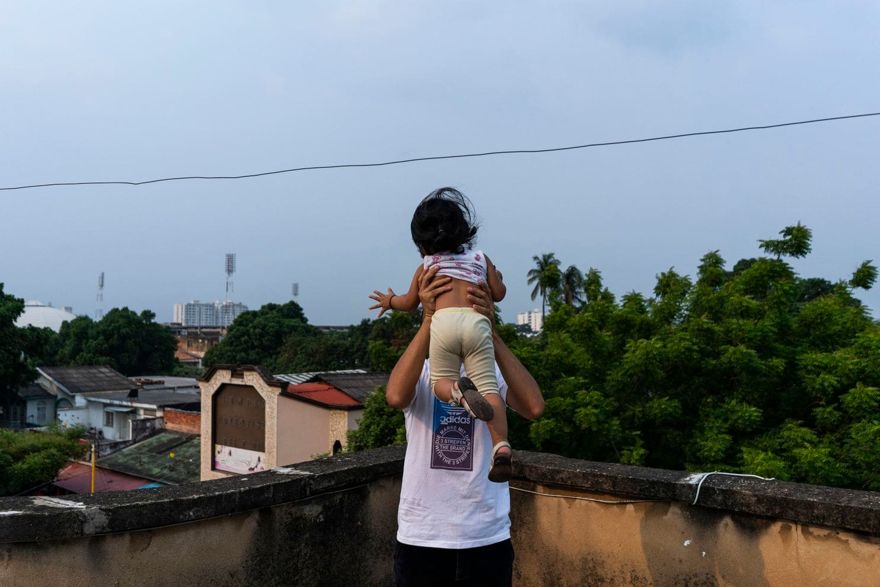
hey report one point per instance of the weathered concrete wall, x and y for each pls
(564, 541)
(333, 521)
(329, 522)
(331, 539)
(742, 532)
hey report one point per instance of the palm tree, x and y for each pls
(572, 286)
(546, 277)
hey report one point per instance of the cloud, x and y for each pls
(669, 28)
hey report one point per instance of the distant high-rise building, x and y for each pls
(227, 312)
(208, 314)
(533, 318)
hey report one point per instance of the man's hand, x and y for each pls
(481, 298)
(430, 287)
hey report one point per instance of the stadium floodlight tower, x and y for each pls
(99, 311)
(230, 271)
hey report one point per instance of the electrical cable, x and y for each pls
(444, 157)
(581, 498)
(704, 476)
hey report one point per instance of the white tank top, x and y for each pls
(468, 266)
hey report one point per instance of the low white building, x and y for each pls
(43, 315)
(108, 404)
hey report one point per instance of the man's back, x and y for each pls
(446, 499)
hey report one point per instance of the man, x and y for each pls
(453, 523)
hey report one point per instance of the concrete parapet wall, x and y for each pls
(579, 523)
(333, 521)
(329, 522)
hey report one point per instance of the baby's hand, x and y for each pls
(383, 301)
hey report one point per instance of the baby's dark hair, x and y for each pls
(444, 223)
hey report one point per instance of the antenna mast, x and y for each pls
(99, 311)
(230, 271)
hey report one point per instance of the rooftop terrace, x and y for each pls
(332, 522)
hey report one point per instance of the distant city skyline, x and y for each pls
(104, 90)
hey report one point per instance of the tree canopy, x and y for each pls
(131, 343)
(15, 369)
(752, 369)
(279, 338)
(30, 459)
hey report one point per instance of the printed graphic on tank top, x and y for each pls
(452, 441)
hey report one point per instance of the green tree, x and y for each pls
(29, 459)
(865, 276)
(15, 369)
(752, 369)
(545, 277)
(795, 242)
(131, 343)
(571, 287)
(380, 425)
(325, 351)
(256, 337)
(389, 337)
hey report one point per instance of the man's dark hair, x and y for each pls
(444, 223)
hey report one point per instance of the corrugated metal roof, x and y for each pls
(152, 458)
(77, 477)
(88, 379)
(297, 378)
(163, 396)
(357, 385)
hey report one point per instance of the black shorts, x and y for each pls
(419, 566)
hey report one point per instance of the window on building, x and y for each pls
(108, 419)
(41, 412)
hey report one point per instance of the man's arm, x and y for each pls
(402, 382)
(523, 393)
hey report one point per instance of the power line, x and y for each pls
(444, 157)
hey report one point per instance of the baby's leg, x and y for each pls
(443, 387)
(498, 424)
(444, 352)
(479, 364)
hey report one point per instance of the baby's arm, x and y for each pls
(496, 281)
(391, 301)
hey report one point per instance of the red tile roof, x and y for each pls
(77, 477)
(323, 394)
(182, 355)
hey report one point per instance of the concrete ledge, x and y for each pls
(36, 519)
(844, 509)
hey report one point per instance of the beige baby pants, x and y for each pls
(463, 335)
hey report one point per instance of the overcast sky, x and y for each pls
(132, 91)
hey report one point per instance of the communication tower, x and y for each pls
(99, 311)
(230, 271)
